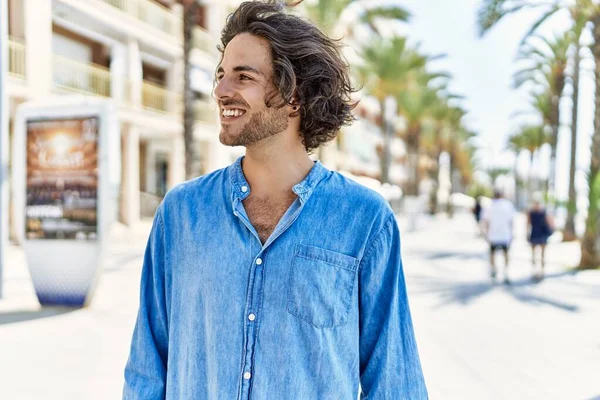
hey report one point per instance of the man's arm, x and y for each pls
(389, 360)
(145, 372)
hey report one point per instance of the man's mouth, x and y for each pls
(232, 113)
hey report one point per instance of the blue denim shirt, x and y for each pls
(316, 311)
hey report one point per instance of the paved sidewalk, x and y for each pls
(478, 340)
(64, 354)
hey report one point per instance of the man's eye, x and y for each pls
(245, 78)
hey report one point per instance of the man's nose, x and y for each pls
(223, 88)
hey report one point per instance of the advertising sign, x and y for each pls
(62, 179)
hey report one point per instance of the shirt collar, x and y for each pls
(240, 189)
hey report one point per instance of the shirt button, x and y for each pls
(244, 189)
(251, 317)
(258, 261)
(247, 375)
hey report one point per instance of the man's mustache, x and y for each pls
(233, 102)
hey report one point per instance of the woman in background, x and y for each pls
(540, 229)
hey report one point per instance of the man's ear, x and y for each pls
(296, 108)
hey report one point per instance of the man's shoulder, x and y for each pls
(356, 193)
(508, 205)
(197, 186)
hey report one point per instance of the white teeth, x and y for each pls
(233, 113)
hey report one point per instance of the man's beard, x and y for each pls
(262, 125)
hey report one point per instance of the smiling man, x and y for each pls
(275, 278)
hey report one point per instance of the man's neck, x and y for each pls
(275, 172)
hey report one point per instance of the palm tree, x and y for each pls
(437, 139)
(590, 248)
(192, 159)
(533, 137)
(415, 104)
(495, 172)
(435, 143)
(326, 15)
(516, 144)
(579, 24)
(546, 64)
(386, 71)
(493, 11)
(462, 154)
(537, 136)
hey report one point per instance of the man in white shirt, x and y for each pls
(498, 228)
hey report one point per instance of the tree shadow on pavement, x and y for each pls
(458, 255)
(464, 256)
(28, 315)
(526, 296)
(452, 292)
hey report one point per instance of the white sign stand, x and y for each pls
(66, 178)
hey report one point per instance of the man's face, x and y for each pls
(243, 84)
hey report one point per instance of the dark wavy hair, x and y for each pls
(308, 67)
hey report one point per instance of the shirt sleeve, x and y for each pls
(145, 372)
(389, 361)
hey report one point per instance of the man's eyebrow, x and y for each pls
(242, 68)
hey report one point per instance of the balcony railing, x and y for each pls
(16, 58)
(81, 77)
(159, 99)
(150, 12)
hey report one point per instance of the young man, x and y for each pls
(274, 278)
(498, 229)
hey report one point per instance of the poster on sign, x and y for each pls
(62, 179)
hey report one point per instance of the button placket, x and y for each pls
(251, 322)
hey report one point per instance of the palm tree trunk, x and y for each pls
(551, 182)
(449, 205)
(192, 161)
(386, 151)
(590, 254)
(517, 190)
(530, 187)
(412, 156)
(569, 231)
(435, 178)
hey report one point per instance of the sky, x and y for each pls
(482, 70)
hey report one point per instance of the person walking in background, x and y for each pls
(477, 213)
(497, 221)
(540, 228)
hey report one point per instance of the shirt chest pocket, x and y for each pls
(321, 286)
